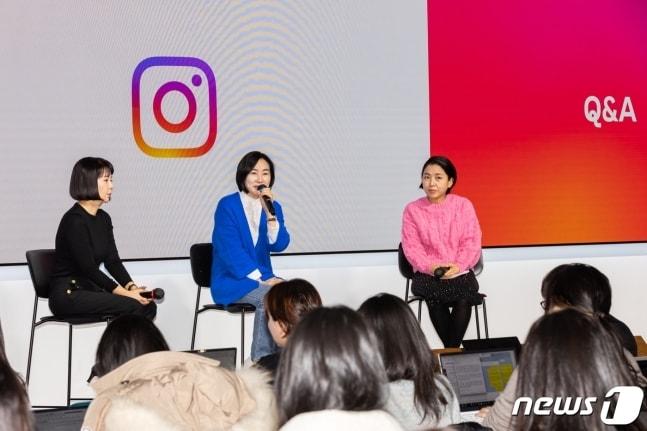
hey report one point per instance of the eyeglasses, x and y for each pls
(544, 305)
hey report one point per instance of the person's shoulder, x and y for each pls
(416, 203)
(458, 201)
(229, 199)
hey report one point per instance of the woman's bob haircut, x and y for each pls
(86, 172)
(246, 165)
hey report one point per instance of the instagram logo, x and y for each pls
(174, 107)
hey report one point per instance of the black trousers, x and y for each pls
(449, 302)
(91, 299)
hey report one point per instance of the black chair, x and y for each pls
(41, 264)
(201, 258)
(406, 270)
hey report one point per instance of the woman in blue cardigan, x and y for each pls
(245, 231)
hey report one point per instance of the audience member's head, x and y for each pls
(570, 353)
(330, 362)
(286, 303)
(125, 338)
(15, 409)
(404, 348)
(577, 285)
(586, 288)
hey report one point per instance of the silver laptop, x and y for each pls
(478, 377)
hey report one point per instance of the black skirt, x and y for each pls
(443, 291)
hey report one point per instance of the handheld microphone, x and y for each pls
(153, 294)
(267, 200)
(440, 271)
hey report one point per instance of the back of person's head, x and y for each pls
(570, 353)
(125, 338)
(15, 409)
(330, 362)
(577, 285)
(404, 348)
(289, 301)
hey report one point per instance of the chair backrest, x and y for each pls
(403, 264)
(41, 266)
(478, 268)
(201, 256)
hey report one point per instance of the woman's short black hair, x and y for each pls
(577, 285)
(330, 362)
(289, 301)
(125, 338)
(404, 348)
(86, 172)
(246, 165)
(446, 166)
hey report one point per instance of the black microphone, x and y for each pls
(267, 200)
(153, 294)
(440, 271)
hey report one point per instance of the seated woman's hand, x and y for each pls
(452, 271)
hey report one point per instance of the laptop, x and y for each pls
(226, 356)
(493, 343)
(478, 377)
(60, 419)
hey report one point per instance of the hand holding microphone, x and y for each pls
(152, 294)
(267, 200)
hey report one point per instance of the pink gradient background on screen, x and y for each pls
(507, 81)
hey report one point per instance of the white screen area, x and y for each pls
(335, 92)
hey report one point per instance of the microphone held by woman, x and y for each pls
(153, 294)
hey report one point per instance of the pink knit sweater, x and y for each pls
(446, 232)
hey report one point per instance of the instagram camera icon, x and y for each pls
(185, 90)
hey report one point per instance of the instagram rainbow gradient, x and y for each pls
(507, 86)
(183, 89)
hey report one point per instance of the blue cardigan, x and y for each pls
(234, 254)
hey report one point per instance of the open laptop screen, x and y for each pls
(60, 419)
(478, 377)
(226, 356)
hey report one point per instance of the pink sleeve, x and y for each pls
(411, 243)
(469, 246)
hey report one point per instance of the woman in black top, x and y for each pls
(84, 241)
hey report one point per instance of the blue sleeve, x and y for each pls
(228, 241)
(283, 238)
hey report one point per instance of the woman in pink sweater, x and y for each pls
(441, 235)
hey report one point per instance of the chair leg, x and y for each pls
(478, 323)
(195, 318)
(406, 292)
(69, 366)
(487, 334)
(31, 338)
(242, 338)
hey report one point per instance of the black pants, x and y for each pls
(91, 299)
(450, 321)
(449, 302)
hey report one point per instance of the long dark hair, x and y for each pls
(570, 353)
(15, 409)
(404, 349)
(330, 362)
(125, 338)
